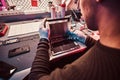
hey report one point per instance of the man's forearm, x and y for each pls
(40, 66)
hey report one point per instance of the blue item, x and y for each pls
(43, 33)
(75, 37)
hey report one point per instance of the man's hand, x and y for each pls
(43, 32)
(76, 36)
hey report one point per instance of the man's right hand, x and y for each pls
(76, 36)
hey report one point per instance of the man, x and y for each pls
(101, 61)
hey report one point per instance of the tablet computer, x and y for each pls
(6, 70)
(60, 44)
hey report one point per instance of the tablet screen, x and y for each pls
(58, 28)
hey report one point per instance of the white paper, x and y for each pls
(25, 28)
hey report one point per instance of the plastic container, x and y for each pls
(53, 12)
(63, 10)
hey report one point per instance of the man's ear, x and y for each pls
(99, 0)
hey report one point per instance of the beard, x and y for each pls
(89, 12)
(91, 22)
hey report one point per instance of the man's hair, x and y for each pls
(113, 5)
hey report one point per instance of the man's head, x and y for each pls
(92, 10)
